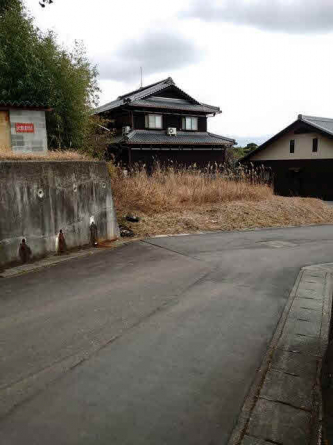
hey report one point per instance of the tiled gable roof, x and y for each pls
(153, 86)
(135, 97)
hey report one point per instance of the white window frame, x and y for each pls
(154, 121)
(190, 123)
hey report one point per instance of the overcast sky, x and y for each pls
(262, 61)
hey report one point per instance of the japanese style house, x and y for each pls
(162, 122)
(300, 158)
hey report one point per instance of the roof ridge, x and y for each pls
(315, 118)
(315, 122)
(150, 90)
(168, 80)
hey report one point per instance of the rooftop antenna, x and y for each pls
(141, 77)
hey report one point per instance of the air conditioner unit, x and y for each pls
(126, 130)
(172, 131)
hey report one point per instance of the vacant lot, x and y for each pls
(186, 200)
(55, 155)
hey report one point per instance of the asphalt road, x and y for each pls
(156, 342)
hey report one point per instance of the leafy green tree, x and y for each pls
(249, 147)
(35, 68)
(235, 153)
(5, 5)
(99, 137)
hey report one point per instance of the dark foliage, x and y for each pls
(35, 68)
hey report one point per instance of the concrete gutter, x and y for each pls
(284, 405)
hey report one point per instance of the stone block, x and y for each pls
(279, 423)
(315, 273)
(313, 279)
(293, 390)
(301, 365)
(302, 327)
(309, 293)
(317, 284)
(307, 303)
(304, 314)
(290, 341)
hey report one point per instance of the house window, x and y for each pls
(314, 145)
(153, 121)
(292, 146)
(190, 123)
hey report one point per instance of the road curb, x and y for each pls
(284, 403)
(251, 229)
(54, 260)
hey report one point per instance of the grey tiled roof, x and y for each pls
(109, 106)
(142, 93)
(22, 104)
(323, 123)
(155, 137)
(175, 106)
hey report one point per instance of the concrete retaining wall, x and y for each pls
(38, 198)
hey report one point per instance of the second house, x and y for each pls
(161, 122)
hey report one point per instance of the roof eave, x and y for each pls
(317, 127)
(180, 144)
(272, 139)
(4, 106)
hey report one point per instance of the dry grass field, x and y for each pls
(66, 155)
(179, 200)
(187, 200)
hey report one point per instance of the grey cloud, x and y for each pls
(157, 51)
(291, 16)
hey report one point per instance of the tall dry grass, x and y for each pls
(173, 188)
(57, 155)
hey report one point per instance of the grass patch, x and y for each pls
(173, 200)
(56, 155)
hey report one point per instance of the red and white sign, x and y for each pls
(24, 128)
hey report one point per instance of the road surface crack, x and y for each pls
(173, 251)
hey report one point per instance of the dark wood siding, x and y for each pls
(139, 121)
(312, 178)
(202, 124)
(171, 120)
(182, 157)
(121, 120)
